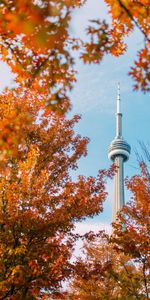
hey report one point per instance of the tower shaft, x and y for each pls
(118, 196)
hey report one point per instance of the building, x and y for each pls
(118, 152)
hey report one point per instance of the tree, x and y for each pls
(132, 232)
(117, 267)
(39, 202)
(105, 273)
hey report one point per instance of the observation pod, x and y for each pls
(119, 147)
(119, 152)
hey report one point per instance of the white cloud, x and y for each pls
(84, 227)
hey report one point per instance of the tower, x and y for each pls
(118, 152)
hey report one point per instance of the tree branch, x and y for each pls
(133, 19)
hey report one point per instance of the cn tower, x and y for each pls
(118, 152)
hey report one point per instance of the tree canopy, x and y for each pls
(39, 203)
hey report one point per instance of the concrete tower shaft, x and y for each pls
(118, 152)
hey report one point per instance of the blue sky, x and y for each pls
(94, 97)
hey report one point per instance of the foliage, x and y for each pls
(39, 202)
(117, 267)
(108, 38)
(132, 232)
(105, 273)
(16, 119)
(35, 42)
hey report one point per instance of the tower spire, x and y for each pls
(118, 99)
(118, 152)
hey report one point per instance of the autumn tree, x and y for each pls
(106, 273)
(117, 267)
(39, 201)
(132, 232)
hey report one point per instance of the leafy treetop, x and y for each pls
(39, 201)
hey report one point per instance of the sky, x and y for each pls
(94, 97)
